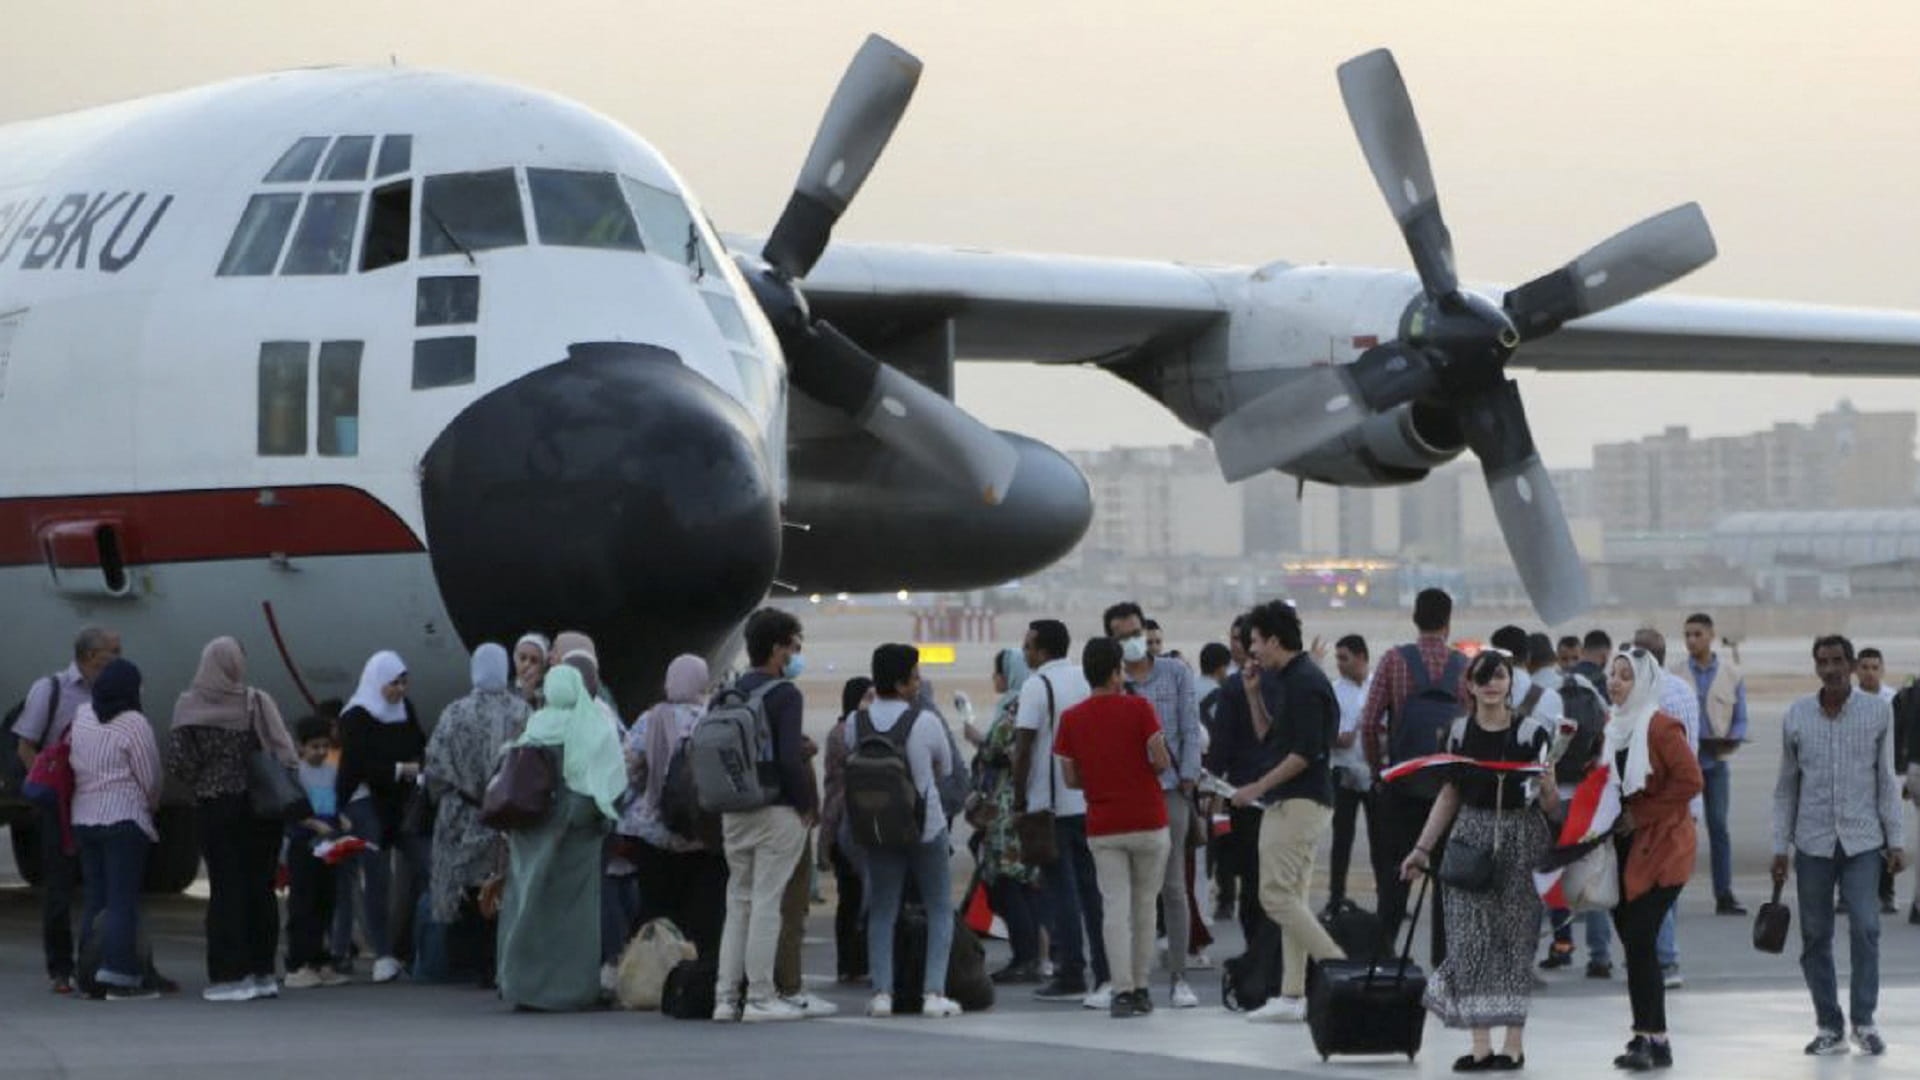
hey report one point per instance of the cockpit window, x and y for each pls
(323, 244)
(349, 158)
(296, 165)
(665, 222)
(396, 156)
(467, 212)
(581, 209)
(262, 232)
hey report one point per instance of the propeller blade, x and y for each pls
(1657, 252)
(865, 109)
(1316, 406)
(903, 413)
(1383, 118)
(1526, 504)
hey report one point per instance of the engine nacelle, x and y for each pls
(867, 520)
(1398, 446)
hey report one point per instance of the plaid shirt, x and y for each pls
(1392, 685)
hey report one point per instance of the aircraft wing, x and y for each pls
(1679, 333)
(1049, 308)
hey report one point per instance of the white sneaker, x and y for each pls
(305, 978)
(1280, 1010)
(770, 1010)
(238, 990)
(1100, 998)
(880, 1005)
(264, 986)
(329, 976)
(811, 1004)
(939, 1007)
(609, 978)
(1183, 995)
(726, 1010)
(386, 969)
(1200, 961)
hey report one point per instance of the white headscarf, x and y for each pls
(382, 668)
(1628, 724)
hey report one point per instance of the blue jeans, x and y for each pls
(375, 871)
(887, 872)
(113, 859)
(1719, 789)
(1599, 937)
(1073, 904)
(1858, 880)
(1665, 946)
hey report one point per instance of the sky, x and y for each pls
(1204, 132)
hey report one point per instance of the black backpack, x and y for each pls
(885, 808)
(13, 771)
(1419, 726)
(688, 993)
(1581, 703)
(680, 803)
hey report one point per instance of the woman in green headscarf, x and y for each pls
(550, 914)
(1011, 884)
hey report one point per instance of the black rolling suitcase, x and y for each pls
(1369, 1006)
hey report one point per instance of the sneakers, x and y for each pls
(726, 1011)
(1599, 969)
(386, 969)
(61, 984)
(1671, 978)
(1062, 990)
(1644, 1054)
(1727, 905)
(1828, 1044)
(770, 1011)
(1101, 998)
(812, 1005)
(306, 978)
(1869, 1041)
(1142, 1001)
(332, 976)
(1183, 996)
(264, 986)
(148, 993)
(239, 990)
(939, 1007)
(1559, 955)
(1200, 961)
(880, 1006)
(1015, 974)
(609, 978)
(1121, 1006)
(1280, 1010)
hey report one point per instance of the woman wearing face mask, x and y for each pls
(1486, 980)
(1658, 776)
(530, 655)
(381, 749)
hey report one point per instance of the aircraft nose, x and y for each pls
(617, 493)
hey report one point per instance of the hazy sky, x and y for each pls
(1197, 131)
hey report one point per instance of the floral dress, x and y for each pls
(1000, 841)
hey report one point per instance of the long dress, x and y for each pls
(460, 760)
(1000, 841)
(550, 914)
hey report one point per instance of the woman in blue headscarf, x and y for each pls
(1012, 885)
(550, 914)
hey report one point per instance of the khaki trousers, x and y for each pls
(1289, 830)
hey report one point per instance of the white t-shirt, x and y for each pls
(1548, 710)
(1069, 689)
(1351, 760)
(928, 755)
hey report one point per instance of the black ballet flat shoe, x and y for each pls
(1504, 1063)
(1469, 1063)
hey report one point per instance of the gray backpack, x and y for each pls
(731, 752)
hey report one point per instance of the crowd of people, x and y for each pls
(1090, 800)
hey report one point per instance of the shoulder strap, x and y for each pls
(862, 726)
(1457, 734)
(1455, 668)
(759, 693)
(1052, 792)
(1531, 701)
(1416, 666)
(53, 698)
(903, 729)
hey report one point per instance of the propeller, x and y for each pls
(893, 407)
(1454, 345)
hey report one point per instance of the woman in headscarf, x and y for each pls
(1012, 885)
(1486, 980)
(218, 723)
(461, 755)
(381, 748)
(837, 851)
(1654, 765)
(619, 885)
(550, 912)
(117, 785)
(530, 662)
(681, 877)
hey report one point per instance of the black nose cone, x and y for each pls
(617, 493)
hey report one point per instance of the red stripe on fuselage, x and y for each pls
(197, 526)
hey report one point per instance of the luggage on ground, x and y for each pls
(1370, 1006)
(1355, 929)
(1248, 980)
(688, 992)
(648, 960)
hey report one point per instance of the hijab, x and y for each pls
(1627, 725)
(116, 690)
(584, 662)
(591, 762)
(382, 668)
(1012, 667)
(571, 641)
(686, 688)
(220, 698)
(491, 668)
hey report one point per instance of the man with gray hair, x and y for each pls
(45, 717)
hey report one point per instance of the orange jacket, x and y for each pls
(1663, 836)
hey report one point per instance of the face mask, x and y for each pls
(1134, 649)
(796, 665)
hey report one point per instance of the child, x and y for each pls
(312, 883)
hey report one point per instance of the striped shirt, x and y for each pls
(1168, 687)
(1836, 786)
(116, 771)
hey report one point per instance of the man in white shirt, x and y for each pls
(1075, 912)
(1351, 777)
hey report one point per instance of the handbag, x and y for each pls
(1771, 924)
(1038, 845)
(416, 816)
(273, 789)
(1592, 882)
(521, 793)
(1470, 867)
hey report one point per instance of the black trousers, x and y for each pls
(59, 879)
(1638, 923)
(1244, 831)
(243, 920)
(1394, 822)
(1346, 809)
(312, 887)
(689, 887)
(849, 918)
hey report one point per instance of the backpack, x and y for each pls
(731, 752)
(13, 771)
(885, 808)
(1421, 722)
(954, 784)
(688, 993)
(1581, 703)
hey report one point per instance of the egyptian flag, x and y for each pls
(1423, 777)
(1591, 814)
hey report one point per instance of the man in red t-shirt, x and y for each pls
(1111, 747)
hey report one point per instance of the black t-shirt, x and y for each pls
(1306, 720)
(1482, 789)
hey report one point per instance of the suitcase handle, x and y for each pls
(1406, 951)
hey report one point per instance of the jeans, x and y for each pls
(1173, 884)
(1128, 866)
(762, 846)
(313, 895)
(1719, 790)
(1289, 832)
(59, 875)
(1857, 878)
(375, 869)
(1639, 923)
(887, 872)
(1073, 902)
(1018, 905)
(113, 859)
(1346, 811)
(242, 853)
(1667, 945)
